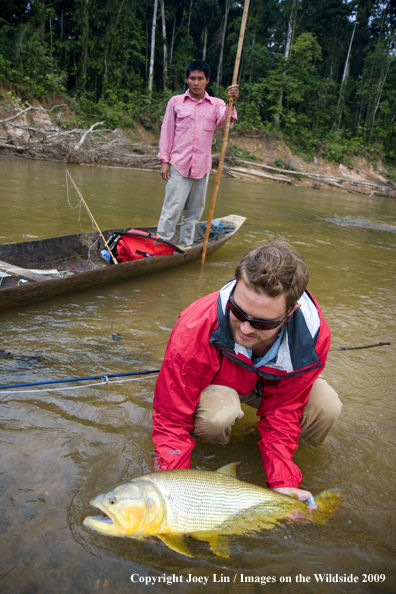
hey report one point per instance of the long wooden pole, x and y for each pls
(226, 130)
(90, 214)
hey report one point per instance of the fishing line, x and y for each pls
(78, 205)
(104, 382)
(89, 252)
(82, 379)
(94, 223)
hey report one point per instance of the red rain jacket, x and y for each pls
(201, 352)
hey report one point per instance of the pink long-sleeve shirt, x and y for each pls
(187, 132)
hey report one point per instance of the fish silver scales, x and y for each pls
(203, 500)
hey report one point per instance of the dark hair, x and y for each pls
(275, 268)
(200, 65)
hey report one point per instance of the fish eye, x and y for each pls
(112, 500)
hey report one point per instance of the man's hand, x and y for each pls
(233, 92)
(165, 171)
(301, 495)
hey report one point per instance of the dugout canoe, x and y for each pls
(73, 263)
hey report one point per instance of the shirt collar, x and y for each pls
(271, 354)
(206, 96)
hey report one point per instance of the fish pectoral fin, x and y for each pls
(176, 542)
(229, 469)
(219, 545)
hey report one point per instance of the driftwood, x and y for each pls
(29, 109)
(83, 137)
(49, 141)
(316, 175)
(254, 173)
(107, 147)
(341, 187)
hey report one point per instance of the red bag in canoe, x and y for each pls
(137, 244)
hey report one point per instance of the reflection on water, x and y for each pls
(60, 448)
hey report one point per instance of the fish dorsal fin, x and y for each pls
(229, 469)
(176, 542)
(219, 545)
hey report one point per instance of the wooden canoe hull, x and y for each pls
(71, 251)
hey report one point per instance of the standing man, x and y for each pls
(261, 340)
(185, 151)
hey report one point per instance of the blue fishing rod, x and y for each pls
(104, 376)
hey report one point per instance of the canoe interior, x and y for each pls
(68, 253)
(78, 259)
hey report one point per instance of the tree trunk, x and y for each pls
(165, 47)
(104, 81)
(345, 74)
(84, 67)
(172, 42)
(189, 18)
(378, 99)
(51, 43)
(147, 55)
(289, 41)
(291, 28)
(151, 69)
(220, 67)
(205, 41)
(174, 35)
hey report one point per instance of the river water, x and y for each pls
(60, 448)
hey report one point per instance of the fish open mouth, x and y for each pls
(102, 517)
(102, 523)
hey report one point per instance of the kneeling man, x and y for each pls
(261, 340)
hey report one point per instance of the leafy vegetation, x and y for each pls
(319, 73)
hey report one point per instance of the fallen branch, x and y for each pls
(303, 173)
(33, 129)
(83, 137)
(331, 183)
(12, 146)
(28, 109)
(254, 173)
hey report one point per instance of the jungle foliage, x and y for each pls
(320, 73)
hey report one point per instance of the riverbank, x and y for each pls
(34, 132)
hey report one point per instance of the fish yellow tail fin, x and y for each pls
(327, 502)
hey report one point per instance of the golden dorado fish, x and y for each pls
(205, 505)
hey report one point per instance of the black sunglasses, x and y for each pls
(257, 324)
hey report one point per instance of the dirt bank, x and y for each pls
(34, 132)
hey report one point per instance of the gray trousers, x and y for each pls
(182, 194)
(220, 406)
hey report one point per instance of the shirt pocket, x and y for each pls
(183, 118)
(210, 123)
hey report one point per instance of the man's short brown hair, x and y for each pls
(275, 268)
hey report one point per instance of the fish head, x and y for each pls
(134, 509)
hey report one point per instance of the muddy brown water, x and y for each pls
(60, 448)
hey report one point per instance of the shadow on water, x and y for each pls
(61, 447)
